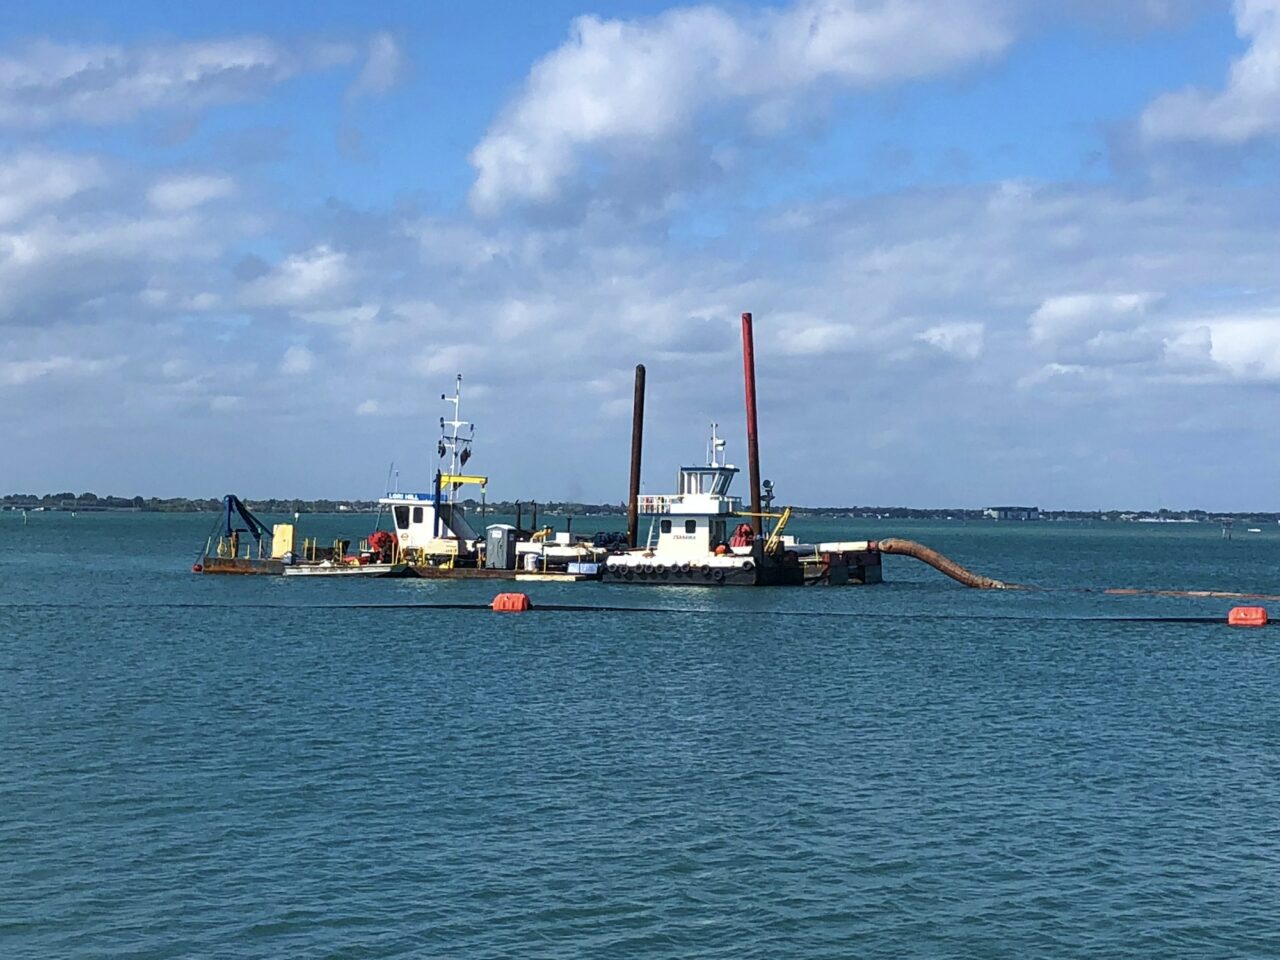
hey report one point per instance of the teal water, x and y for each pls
(202, 766)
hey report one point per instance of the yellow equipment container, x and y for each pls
(281, 540)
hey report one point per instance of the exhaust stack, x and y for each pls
(753, 445)
(637, 438)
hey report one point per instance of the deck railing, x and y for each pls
(654, 503)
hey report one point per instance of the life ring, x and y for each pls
(748, 565)
(660, 569)
(647, 568)
(706, 570)
(718, 576)
(686, 568)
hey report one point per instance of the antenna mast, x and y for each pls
(453, 443)
(715, 448)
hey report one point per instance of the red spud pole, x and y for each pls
(753, 444)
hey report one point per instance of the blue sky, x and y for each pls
(998, 250)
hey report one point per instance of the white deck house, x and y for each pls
(689, 524)
(414, 517)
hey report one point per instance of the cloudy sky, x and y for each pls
(997, 250)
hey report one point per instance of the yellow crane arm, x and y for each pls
(775, 538)
(458, 479)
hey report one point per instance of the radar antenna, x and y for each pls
(715, 448)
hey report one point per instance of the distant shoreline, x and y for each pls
(91, 503)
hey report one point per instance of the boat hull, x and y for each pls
(350, 570)
(488, 573)
(718, 571)
(242, 566)
(676, 577)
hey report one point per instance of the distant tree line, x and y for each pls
(91, 502)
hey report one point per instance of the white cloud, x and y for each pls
(1245, 346)
(1100, 332)
(342, 316)
(297, 360)
(50, 82)
(620, 85)
(177, 194)
(368, 408)
(1075, 317)
(16, 373)
(52, 266)
(32, 181)
(811, 336)
(310, 279)
(1248, 107)
(1050, 372)
(446, 358)
(225, 403)
(384, 67)
(46, 83)
(963, 340)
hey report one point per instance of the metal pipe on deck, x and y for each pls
(435, 508)
(753, 445)
(637, 438)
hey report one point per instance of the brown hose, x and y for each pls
(910, 548)
(952, 569)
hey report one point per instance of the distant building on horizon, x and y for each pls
(1012, 513)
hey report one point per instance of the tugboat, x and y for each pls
(689, 542)
(431, 529)
(689, 539)
(433, 537)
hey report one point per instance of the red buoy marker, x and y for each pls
(1247, 617)
(512, 603)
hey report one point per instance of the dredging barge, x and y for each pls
(689, 540)
(430, 537)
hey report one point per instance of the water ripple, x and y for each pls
(445, 783)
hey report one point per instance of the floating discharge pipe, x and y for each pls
(637, 438)
(909, 548)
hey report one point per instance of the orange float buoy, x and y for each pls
(512, 603)
(1247, 617)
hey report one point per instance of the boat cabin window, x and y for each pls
(710, 481)
(717, 532)
(666, 526)
(691, 526)
(417, 514)
(402, 517)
